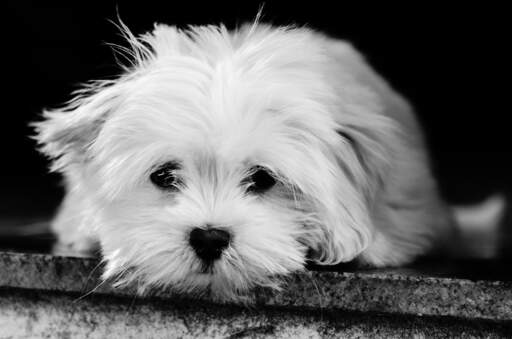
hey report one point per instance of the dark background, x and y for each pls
(447, 60)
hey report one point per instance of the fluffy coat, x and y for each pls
(353, 176)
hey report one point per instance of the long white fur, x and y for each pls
(354, 177)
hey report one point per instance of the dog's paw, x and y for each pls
(84, 248)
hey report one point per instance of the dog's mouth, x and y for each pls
(311, 254)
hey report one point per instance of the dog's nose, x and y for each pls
(209, 243)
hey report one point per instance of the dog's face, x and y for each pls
(215, 164)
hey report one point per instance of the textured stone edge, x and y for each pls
(30, 313)
(384, 291)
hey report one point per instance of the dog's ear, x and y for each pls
(368, 163)
(362, 157)
(366, 111)
(64, 135)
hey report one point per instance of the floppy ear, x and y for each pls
(64, 135)
(366, 111)
(359, 170)
(369, 164)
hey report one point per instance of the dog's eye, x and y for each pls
(260, 180)
(165, 175)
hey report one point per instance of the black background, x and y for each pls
(449, 61)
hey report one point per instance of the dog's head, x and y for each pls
(220, 159)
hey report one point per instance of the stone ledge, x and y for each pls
(385, 291)
(46, 314)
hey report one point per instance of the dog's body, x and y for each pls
(271, 142)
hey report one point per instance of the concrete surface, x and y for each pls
(43, 314)
(388, 291)
(45, 296)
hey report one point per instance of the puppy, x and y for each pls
(223, 160)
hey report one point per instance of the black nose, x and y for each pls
(209, 243)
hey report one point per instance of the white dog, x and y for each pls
(223, 160)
